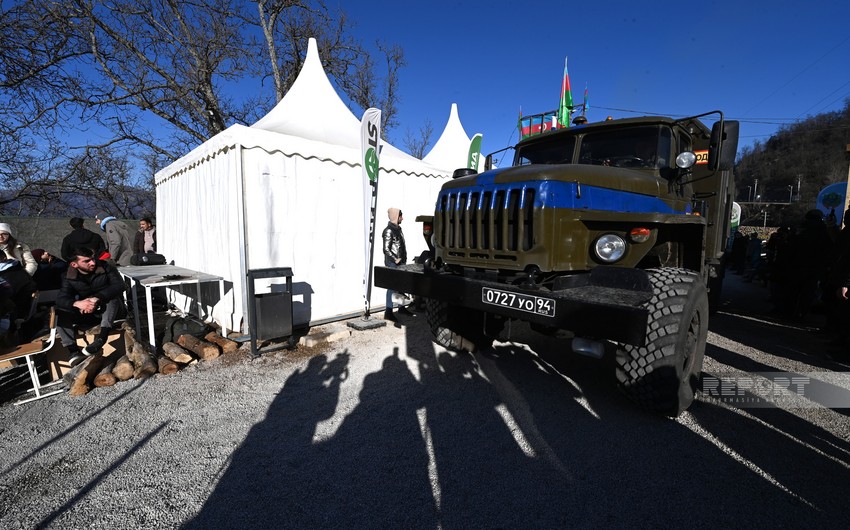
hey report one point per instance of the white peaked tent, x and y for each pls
(452, 148)
(287, 192)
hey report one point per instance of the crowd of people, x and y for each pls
(82, 281)
(805, 266)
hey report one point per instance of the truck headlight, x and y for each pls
(609, 247)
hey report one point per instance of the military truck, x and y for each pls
(610, 233)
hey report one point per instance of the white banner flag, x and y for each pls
(370, 141)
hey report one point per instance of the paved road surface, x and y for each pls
(387, 431)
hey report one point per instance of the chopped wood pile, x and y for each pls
(139, 363)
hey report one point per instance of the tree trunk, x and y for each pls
(166, 365)
(123, 368)
(105, 376)
(177, 353)
(226, 345)
(142, 361)
(201, 348)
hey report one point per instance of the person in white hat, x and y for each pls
(16, 250)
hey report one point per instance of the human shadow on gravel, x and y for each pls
(512, 437)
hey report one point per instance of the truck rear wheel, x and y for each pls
(456, 329)
(663, 375)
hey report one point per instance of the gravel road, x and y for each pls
(386, 430)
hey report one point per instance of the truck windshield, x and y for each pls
(556, 149)
(635, 147)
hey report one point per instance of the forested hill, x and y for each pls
(811, 151)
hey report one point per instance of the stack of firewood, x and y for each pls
(139, 363)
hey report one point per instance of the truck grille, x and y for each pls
(494, 224)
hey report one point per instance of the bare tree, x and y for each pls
(417, 144)
(288, 24)
(154, 78)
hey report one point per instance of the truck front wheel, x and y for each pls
(456, 329)
(663, 375)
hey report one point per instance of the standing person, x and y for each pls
(119, 244)
(809, 251)
(81, 238)
(17, 250)
(739, 253)
(395, 254)
(92, 291)
(145, 240)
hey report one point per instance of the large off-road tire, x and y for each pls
(456, 329)
(664, 374)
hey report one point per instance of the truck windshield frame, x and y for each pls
(639, 147)
(556, 149)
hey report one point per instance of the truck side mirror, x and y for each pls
(723, 146)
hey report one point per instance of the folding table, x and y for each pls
(150, 276)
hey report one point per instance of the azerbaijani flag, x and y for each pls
(585, 106)
(566, 105)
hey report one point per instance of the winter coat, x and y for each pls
(82, 238)
(119, 244)
(105, 283)
(22, 253)
(139, 240)
(21, 286)
(395, 249)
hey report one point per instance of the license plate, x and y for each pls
(523, 302)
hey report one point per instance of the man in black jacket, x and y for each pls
(395, 254)
(91, 291)
(81, 237)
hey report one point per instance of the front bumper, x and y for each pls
(609, 306)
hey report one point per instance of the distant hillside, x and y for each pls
(811, 152)
(130, 203)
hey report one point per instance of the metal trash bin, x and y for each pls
(274, 315)
(269, 314)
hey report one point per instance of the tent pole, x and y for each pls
(243, 238)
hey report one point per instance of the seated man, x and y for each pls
(50, 270)
(21, 286)
(91, 291)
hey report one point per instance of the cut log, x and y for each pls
(177, 353)
(201, 348)
(129, 338)
(105, 376)
(123, 369)
(79, 377)
(69, 376)
(144, 365)
(225, 344)
(166, 365)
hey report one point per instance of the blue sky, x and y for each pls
(764, 63)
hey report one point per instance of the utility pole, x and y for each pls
(756, 188)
